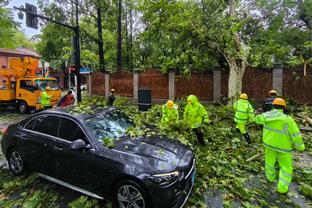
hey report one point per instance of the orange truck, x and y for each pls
(22, 89)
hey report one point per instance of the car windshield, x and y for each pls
(113, 124)
(43, 83)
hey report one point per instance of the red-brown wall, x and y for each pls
(199, 84)
(296, 86)
(256, 82)
(98, 83)
(122, 82)
(156, 81)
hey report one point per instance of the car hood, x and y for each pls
(156, 154)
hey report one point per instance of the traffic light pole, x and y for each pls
(77, 52)
(76, 44)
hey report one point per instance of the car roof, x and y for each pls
(73, 111)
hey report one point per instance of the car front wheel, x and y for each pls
(16, 162)
(130, 194)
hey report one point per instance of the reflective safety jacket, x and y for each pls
(45, 98)
(280, 132)
(169, 116)
(195, 113)
(243, 111)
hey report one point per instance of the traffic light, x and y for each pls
(31, 20)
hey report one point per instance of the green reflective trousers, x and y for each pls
(285, 172)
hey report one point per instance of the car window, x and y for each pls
(47, 125)
(30, 125)
(70, 131)
(112, 124)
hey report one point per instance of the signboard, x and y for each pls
(85, 70)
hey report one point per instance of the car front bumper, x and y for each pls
(176, 194)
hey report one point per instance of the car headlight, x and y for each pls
(165, 178)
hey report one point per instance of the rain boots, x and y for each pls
(247, 137)
(199, 135)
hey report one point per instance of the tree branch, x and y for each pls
(90, 36)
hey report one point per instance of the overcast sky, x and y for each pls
(28, 31)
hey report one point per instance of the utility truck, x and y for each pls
(21, 87)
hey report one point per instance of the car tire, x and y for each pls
(130, 191)
(22, 107)
(16, 162)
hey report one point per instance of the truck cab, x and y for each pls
(29, 90)
(25, 93)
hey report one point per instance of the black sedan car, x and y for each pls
(68, 149)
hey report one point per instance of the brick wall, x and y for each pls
(256, 83)
(199, 84)
(296, 86)
(98, 83)
(156, 81)
(122, 83)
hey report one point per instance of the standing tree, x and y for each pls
(8, 28)
(119, 43)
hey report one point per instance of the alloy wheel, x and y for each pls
(16, 162)
(130, 197)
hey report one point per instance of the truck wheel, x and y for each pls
(22, 107)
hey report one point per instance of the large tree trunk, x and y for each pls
(131, 44)
(119, 41)
(126, 8)
(237, 70)
(237, 64)
(100, 36)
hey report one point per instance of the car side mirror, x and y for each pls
(77, 144)
(88, 146)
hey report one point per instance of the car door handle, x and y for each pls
(57, 148)
(24, 137)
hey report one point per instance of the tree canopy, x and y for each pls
(184, 35)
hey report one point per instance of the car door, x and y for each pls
(82, 168)
(39, 133)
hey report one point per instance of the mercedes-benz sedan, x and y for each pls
(68, 149)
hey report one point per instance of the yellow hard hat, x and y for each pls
(170, 104)
(279, 101)
(48, 88)
(273, 92)
(243, 96)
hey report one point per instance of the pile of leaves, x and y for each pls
(221, 164)
(227, 173)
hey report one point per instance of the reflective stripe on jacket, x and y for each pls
(243, 111)
(280, 132)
